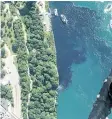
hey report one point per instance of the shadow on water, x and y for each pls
(75, 40)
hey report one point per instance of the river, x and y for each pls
(84, 55)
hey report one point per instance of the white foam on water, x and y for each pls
(98, 96)
(106, 118)
(105, 80)
(60, 88)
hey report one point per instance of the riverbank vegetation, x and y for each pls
(42, 65)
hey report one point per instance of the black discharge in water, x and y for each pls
(75, 39)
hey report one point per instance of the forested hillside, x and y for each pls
(35, 60)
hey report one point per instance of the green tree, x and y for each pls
(6, 92)
(48, 86)
(3, 52)
(3, 72)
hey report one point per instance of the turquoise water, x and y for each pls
(77, 100)
(91, 5)
(89, 41)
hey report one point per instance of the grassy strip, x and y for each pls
(46, 5)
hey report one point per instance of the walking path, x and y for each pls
(46, 15)
(25, 38)
(12, 77)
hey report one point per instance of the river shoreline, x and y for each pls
(78, 49)
(54, 48)
(49, 35)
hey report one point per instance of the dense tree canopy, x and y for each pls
(42, 65)
(40, 59)
(6, 92)
(19, 47)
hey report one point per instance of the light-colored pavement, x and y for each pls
(12, 77)
(46, 17)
